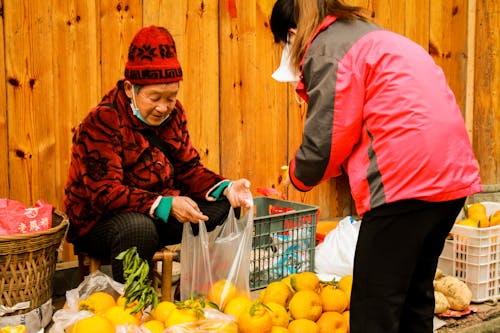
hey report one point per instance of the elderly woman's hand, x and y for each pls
(238, 193)
(184, 209)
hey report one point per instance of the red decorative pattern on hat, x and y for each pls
(152, 58)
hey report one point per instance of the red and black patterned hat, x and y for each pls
(152, 58)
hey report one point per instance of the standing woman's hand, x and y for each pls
(238, 193)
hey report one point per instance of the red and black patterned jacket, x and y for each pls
(114, 168)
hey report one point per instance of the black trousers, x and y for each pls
(397, 252)
(117, 233)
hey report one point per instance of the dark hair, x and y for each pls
(282, 19)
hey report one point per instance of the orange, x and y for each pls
(495, 218)
(468, 222)
(154, 326)
(97, 302)
(303, 326)
(288, 281)
(255, 319)
(332, 322)
(279, 315)
(333, 299)
(347, 317)
(305, 304)
(183, 315)
(94, 324)
(279, 329)
(277, 292)
(305, 281)
(162, 310)
(13, 329)
(476, 210)
(237, 305)
(120, 316)
(121, 300)
(222, 292)
(345, 284)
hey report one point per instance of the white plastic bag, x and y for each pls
(334, 257)
(70, 314)
(222, 255)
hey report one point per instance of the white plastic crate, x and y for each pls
(473, 255)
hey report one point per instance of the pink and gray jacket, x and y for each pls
(381, 110)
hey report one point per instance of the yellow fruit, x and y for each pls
(484, 222)
(155, 326)
(305, 281)
(279, 329)
(94, 324)
(332, 322)
(13, 329)
(255, 319)
(495, 218)
(303, 326)
(279, 315)
(222, 292)
(162, 310)
(305, 304)
(468, 222)
(347, 317)
(237, 305)
(476, 210)
(97, 302)
(333, 299)
(120, 316)
(121, 301)
(183, 315)
(277, 292)
(345, 284)
(288, 281)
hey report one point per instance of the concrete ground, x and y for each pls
(485, 320)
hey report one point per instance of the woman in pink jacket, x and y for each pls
(380, 110)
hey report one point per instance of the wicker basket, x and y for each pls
(27, 265)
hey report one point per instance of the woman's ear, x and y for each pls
(127, 85)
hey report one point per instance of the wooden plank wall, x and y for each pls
(59, 58)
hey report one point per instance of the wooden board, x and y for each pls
(4, 171)
(487, 91)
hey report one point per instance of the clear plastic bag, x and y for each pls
(70, 314)
(221, 257)
(214, 322)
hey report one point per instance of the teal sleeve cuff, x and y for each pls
(217, 193)
(163, 210)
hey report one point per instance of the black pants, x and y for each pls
(396, 257)
(115, 234)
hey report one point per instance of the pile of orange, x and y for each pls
(108, 313)
(299, 303)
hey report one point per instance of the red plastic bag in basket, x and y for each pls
(16, 218)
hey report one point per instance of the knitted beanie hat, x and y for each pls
(152, 58)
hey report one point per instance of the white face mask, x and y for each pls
(285, 72)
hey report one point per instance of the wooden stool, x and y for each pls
(162, 281)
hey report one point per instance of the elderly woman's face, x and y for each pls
(155, 102)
